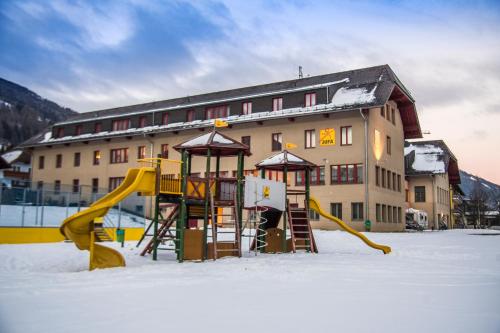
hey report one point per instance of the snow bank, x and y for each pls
(427, 158)
(353, 96)
(431, 282)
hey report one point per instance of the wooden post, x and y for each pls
(239, 190)
(306, 203)
(207, 198)
(285, 176)
(181, 220)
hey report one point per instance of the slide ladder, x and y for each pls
(164, 232)
(300, 229)
(314, 205)
(227, 226)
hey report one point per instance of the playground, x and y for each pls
(431, 282)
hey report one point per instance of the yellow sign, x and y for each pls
(220, 123)
(266, 191)
(327, 137)
(290, 145)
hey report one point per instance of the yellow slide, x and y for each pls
(78, 226)
(314, 205)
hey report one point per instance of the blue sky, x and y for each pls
(90, 55)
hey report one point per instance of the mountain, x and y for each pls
(23, 113)
(469, 182)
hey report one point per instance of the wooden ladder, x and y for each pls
(232, 222)
(300, 229)
(164, 231)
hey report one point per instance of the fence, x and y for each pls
(47, 205)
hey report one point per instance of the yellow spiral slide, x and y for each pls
(314, 205)
(78, 227)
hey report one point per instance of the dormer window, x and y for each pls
(190, 116)
(217, 112)
(142, 121)
(97, 127)
(164, 119)
(277, 103)
(60, 132)
(310, 99)
(121, 125)
(247, 107)
(78, 130)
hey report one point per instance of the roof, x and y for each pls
(430, 157)
(284, 159)
(218, 143)
(360, 88)
(3, 164)
(17, 155)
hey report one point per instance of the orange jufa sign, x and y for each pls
(327, 137)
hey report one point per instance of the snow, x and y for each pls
(11, 216)
(472, 178)
(427, 158)
(432, 282)
(280, 158)
(353, 96)
(11, 156)
(486, 185)
(7, 104)
(203, 140)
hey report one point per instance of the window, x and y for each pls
(310, 99)
(78, 130)
(384, 213)
(377, 175)
(336, 209)
(313, 215)
(388, 145)
(141, 152)
(97, 157)
(394, 215)
(277, 140)
(383, 177)
(119, 155)
(114, 182)
(190, 115)
(97, 127)
(388, 179)
(378, 213)
(95, 185)
(389, 214)
(58, 160)
(399, 183)
(399, 215)
(247, 108)
(121, 125)
(164, 151)
(76, 159)
(310, 138)
(142, 121)
(357, 211)
(41, 162)
(388, 114)
(76, 185)
(346, 136)
(382, 111)
(393, 116)
(316, 176)
(217, 112)
(245, 140)
(164, 119)
(39, 185)
(60, 132)
(277, 103)
(419, 193)
(394, 182)
(346, 174)
(57, 187)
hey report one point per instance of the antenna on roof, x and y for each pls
(301, 75)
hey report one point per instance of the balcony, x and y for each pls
(16, 174)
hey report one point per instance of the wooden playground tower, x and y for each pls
(206, 197)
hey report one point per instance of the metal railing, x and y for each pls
(48, 205)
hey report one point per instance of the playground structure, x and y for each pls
(201, 215)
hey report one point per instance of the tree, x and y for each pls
(478, 205)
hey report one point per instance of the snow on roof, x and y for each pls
(280, 158)
(353, 96)
(203, 140)
(428, 158)
(11, 156)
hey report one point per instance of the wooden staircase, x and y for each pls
(164, 231)
(227, 226)
(101, 235)
(300, 229)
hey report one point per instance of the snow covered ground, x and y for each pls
(432, 282)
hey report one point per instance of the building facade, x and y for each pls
(432, 173)
(353, 125)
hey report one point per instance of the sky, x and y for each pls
(90, 55)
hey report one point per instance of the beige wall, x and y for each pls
(433, 206)
(292, 131)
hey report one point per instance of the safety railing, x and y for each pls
(170, 170)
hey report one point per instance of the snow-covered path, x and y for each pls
(432, 282)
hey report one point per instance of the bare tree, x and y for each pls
(478, 205)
